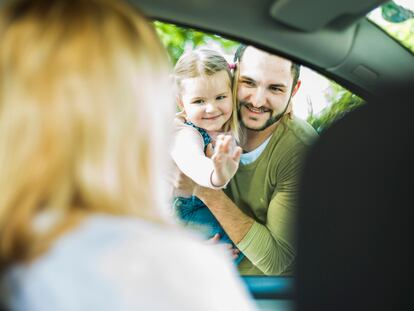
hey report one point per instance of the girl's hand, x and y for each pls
(225, 160)
(234, 251)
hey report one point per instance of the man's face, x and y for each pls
(264, 88)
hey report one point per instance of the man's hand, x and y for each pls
(225, 160)
(234, 251)
(182, 182)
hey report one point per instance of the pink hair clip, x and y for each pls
(232, 66)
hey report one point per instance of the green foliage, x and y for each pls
(176, 39)
(342, 102)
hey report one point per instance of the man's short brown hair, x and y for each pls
(295, 68)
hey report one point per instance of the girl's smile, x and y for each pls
(207, 100)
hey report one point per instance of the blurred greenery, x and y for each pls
(341, 102)
(177, 39)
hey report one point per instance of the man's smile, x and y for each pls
(255, 110)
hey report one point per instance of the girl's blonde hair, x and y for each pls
(206, 62)
(82, 85)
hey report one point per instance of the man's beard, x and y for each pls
(272, 120)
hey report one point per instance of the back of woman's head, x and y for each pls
(84, 97)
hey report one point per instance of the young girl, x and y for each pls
(204, 85)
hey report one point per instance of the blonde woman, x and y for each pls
(81, 156)
(203, 81)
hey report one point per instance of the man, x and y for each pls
(258, 208)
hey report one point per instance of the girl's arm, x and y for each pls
(188, 154)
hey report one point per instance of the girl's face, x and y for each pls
(207, 100)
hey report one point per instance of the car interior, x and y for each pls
(353, 232)
(354, 225)
(336, 39)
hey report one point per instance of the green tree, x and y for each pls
(176, 39)
(342, 102)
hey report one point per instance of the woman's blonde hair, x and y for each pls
(82, 85)
(206, 62)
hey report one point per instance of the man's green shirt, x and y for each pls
(266, 190)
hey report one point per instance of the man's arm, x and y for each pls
(269, 246)
(231, 218)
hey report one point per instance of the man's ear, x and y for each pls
(289, 110)
(296, 88)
